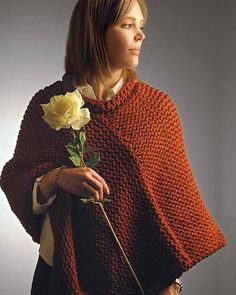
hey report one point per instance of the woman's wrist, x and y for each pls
(178, 283)
(58, 173)
(173, 289)
(47, 187)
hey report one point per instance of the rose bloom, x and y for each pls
(66, 110)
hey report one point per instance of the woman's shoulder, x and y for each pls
(154, 95)
(159, 104)
(59, 87)
(43, 94)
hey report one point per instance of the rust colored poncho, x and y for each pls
(156, 209)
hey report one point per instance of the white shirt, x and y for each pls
(46, 239)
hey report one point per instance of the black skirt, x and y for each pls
(41, 279)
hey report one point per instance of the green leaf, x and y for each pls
(79, 141)
(76, 161)
(104, 200)
(71, 144)
(93, 159)
(86, 201)
(76, 140)
(74, 152)
(82, 137)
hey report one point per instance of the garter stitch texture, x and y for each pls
(157, 212)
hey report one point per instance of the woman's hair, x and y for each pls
(86, 53)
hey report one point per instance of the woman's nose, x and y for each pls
(140, 35)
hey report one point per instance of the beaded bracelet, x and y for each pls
(179, 283)
(57, 175)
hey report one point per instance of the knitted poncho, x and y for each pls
(156, 209)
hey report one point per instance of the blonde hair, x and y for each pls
(86, 54)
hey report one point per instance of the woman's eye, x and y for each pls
(127, 26)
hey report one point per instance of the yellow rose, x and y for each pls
(66, 110)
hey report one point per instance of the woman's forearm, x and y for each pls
(46, 187)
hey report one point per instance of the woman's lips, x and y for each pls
(135, 51)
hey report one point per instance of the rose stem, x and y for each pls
(121, 248)
(112, 230)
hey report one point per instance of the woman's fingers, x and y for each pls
(95, 186)
(83, 181)
(99, 178)
(90, 192)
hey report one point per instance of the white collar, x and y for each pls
(87, 90)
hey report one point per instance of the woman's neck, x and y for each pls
(101, 88)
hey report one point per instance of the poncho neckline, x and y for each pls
(126, 93)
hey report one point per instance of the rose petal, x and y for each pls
(46, 107)
(65, 110)
(83, 118)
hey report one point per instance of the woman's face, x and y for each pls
(124, 40)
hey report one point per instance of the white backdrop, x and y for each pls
(189, 52)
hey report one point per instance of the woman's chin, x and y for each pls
(133, 64)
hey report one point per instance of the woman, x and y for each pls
(144, 170)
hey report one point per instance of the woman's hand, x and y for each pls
(81, 181)
(173, 289)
